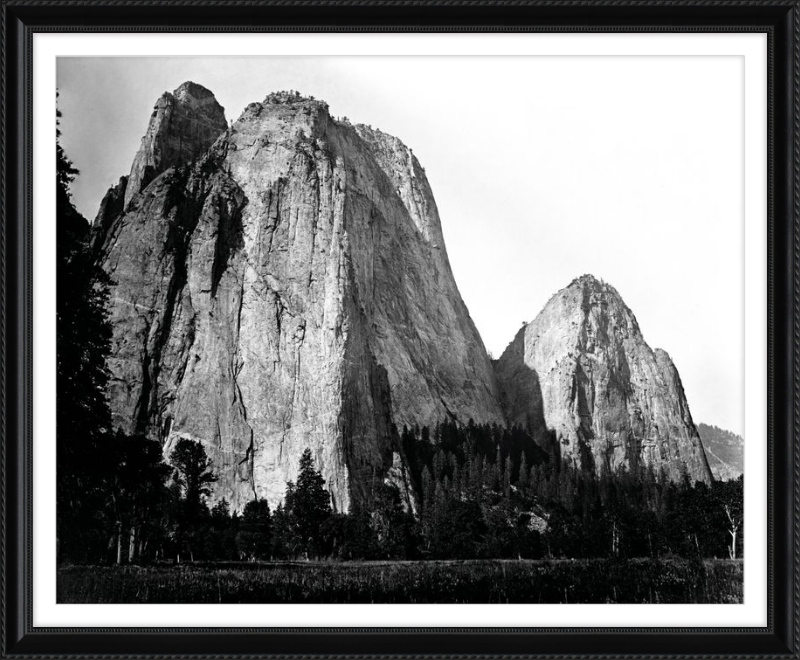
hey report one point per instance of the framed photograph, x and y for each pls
(400, 329)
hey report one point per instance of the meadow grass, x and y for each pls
(480, 581)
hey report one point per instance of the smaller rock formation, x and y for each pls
(582, 374)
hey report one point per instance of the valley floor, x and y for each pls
(442, 582)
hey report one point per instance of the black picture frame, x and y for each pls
(779, 19)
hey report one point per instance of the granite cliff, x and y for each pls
(582, 377)
(283, 283)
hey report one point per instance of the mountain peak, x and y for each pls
(192, 90)
(592, 284)
(586, 280)
(287, 97)
(183, 125)
(595, 303)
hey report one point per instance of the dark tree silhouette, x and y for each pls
(139, 495)
(308, 505)
(194, 473)
(194, 476)
(254, 540)
(83, 419)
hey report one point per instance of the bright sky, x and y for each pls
(543, 169)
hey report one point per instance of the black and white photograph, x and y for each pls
(400, 330)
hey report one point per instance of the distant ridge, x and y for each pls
(724, 450)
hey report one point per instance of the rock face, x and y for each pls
(283, 284)
(582, 374)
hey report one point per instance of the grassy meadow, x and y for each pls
(479, 581)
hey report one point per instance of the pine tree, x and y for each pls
(522, 480)
(254, 540)
(221, 533)
(194, 475)
(456, 482)
(533, 480)
(393, 530)
(308, 504)
(428, 488)
(285, 543)
(475, 477)
(496, 480)
(507, 470)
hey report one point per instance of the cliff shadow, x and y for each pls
(585, 408)
(521, 398)
(230, 233)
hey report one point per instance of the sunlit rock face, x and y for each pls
(582, 373)
(286, 288)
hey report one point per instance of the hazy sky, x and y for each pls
(543, 169)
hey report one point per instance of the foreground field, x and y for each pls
(588, 581)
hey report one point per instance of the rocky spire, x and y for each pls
(183, 126)
(582, 374)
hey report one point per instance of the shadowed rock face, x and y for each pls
(286, 288)
(582, 372)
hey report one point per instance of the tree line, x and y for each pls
(469, 505)
(521, 502)
(478, 491)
